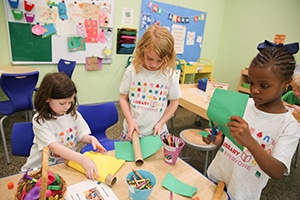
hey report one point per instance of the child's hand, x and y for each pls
(131, 128)
(96, 145)
(296, 108)
(287, 104)
(157, 129)
(218, 139)
(239, 129)
(90, 168)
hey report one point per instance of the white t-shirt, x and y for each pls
(148, 92)
(278, 134)
(65, 130)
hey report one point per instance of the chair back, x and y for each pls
(21, 138)
(19, 89)
(99, 117)
(66, 66)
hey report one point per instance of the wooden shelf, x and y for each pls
(190, 73)
(244, 79)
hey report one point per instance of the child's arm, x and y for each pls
(239, 129)
(89, 139)
(296, 108)
(124, 104)
(69, 154)
(173, 105)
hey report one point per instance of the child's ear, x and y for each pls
(287, 84)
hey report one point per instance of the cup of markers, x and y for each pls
(172, 148)
(140, 184)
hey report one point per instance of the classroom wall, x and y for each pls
(232, 31)
(245, 25)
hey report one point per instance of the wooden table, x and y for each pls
(16, 69)
(154, 164)
(193, 99)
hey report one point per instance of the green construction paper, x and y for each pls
(149, 145)
(224, 104)
(173, 184)
(204, 133)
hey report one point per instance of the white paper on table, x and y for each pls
(90, 189)
(210, 88)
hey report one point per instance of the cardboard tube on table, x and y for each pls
(104, 178)
(219, 191)
(137, 149)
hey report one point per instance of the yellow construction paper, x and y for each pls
(107, 165)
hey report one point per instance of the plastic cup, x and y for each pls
(171, 153)
(142, 193)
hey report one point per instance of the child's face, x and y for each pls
(296, 92)
(152, 61)
(265, 86)
(61, 106)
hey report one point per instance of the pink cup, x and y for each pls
(171, 152)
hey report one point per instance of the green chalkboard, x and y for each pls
(26, 46)
(70, 22)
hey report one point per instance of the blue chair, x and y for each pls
(19, 90)
(21, 138)
(66, 66)
(99, 117)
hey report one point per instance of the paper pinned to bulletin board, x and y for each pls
(186, 25)
(43, 31)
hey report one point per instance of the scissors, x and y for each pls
(214, 131)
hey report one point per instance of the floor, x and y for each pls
(287, 188)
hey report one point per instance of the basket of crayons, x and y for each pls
(140, 184)
(41, 184)
(172, 148)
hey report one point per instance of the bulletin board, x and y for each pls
(43, 31)
(186, 26)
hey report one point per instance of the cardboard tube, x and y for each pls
(137, 149)
(110, 180)
(219, 191)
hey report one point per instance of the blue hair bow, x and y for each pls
(293, 48)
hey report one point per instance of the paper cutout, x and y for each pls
(49, 30)
(279, 38)
(103, 19)
(223, 105)
(62, 11)
(108, 34)
(173, 184)
(107, 52)
(210, 88)
(204, 133)
(80, 30)
(48, 14)
(93, 63)
(38, 29)
(149, 145)
(106, 165)
(75, 12)
(76, 44)
(91, 27)
(91, 11)
(65, 27)
(105, 8)
(101, 36)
